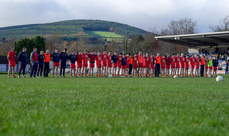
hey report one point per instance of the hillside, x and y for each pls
(90, 28)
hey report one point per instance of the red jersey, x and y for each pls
(140, 59)
(197, 63)
(147, 60)
(182, 60)
(127, 60)
(152, 60)
(98, 59)
(191, 60)
(79, 58)
(168, 61)
(109, 60)
(92, 58)
(85, 58)
(163, 61)
(119, 58)
(12, 55)
(135, 60)
(177, 60)
(104, 57)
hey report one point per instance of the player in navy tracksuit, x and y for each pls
(22, 58)
(63, 57)
(114, 59)
(34, 61)
(55, 59)
(40, 64)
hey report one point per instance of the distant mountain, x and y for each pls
(70, 28)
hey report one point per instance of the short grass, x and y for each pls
(114, 106)
(103, 34)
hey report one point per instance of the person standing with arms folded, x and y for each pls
(131, 62)
(47, 58)
(158, 66)
(34, 62)
(63, 58)
(11, 57)
(40, 64)
(22, 58)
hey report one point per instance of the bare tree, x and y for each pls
(222, 26)
(182, 26)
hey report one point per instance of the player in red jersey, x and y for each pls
(127, 63)
(173, 65)
(109, 63)
(163, 66)
(11, 57)
(119, 63)
(104, 63)
(79, 63)
(206, 66)
(92, 58)
(182, 60)
(186, 63)
(168, 62)
(197, 65)
(140, 63)
(98, 64)
(152, 65)
(147, 64)
(192, 65)
(135, 65)
(177, 62)
(85, 63)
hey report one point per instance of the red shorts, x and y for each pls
(210, 67)
(115, 65)
(173, 65)
(123, 67)
(147, 65)
(167, 66)
(85, 64)
(135, 66)
(119, 65)
(12, 64)
(197, 67)
(182, 65)
(56, 64)
(79, 65)
(186, 66)
(104, 63)
(152, 66)
(99, 65)
(72, 65)
(162, 66)
(215, 68)
(109, 65)
(192, 66)
(92, 65)
(177, 65)
(205, 67)
(141, 65)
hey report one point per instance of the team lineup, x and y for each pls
(140, 64)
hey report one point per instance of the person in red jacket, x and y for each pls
(12, 62)
(85, 63)
(182, 61)
(92, 58)
(140, 64)
(98, 64)
(79, 60)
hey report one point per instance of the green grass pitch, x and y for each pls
(114, 106)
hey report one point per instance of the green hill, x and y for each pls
(73, 28)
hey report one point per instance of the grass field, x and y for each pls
(114, 106)
(103, 34)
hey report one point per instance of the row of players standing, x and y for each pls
(128, 65)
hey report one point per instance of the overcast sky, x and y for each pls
(145, 14)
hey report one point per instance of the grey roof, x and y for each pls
(201, 39)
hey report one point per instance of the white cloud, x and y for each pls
(146, 14)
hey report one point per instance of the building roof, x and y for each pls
(201, 39)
